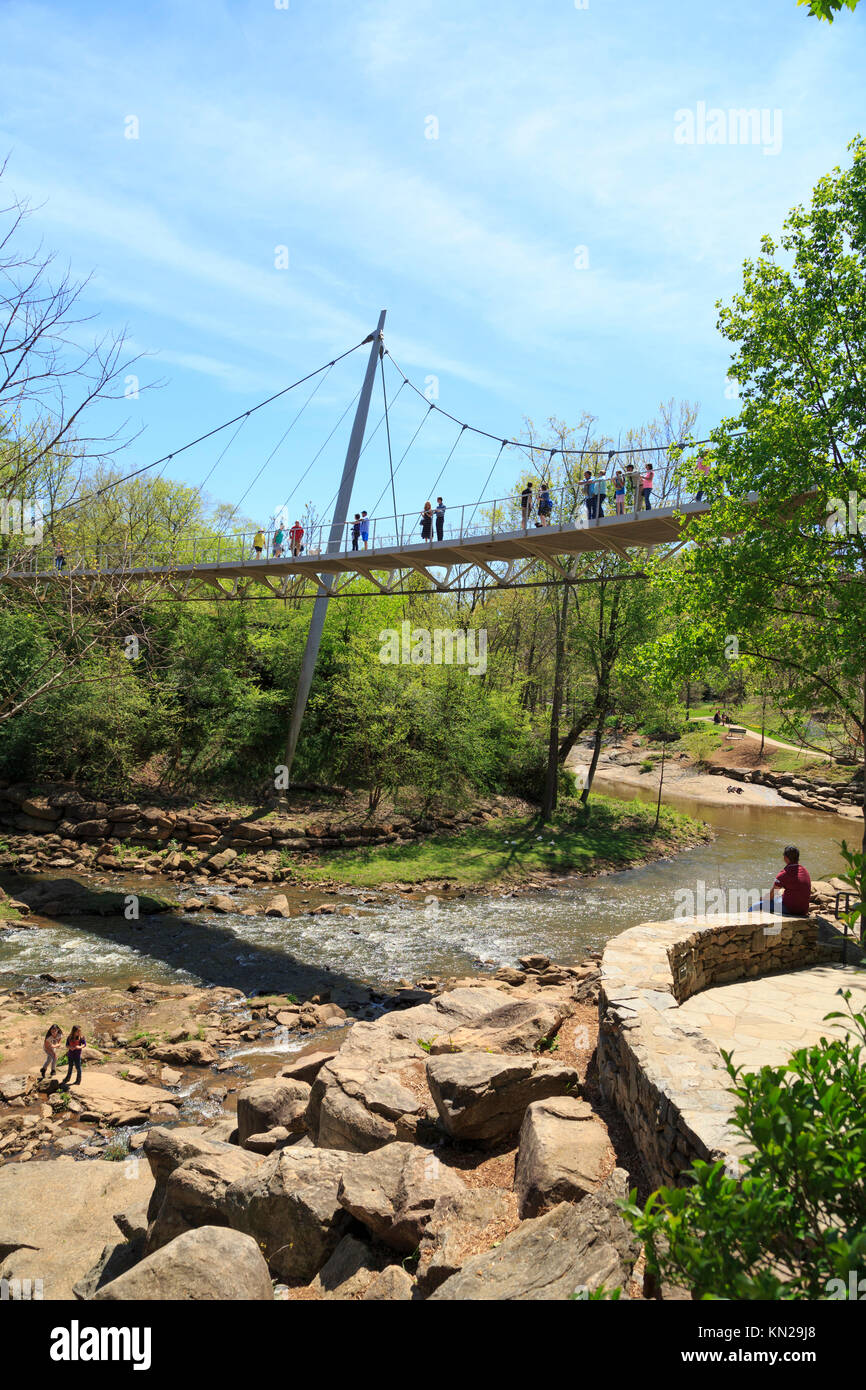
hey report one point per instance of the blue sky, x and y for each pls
(307, 127)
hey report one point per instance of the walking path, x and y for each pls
(769, 742)
(761, 1022)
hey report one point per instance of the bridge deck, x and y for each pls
(614, 534)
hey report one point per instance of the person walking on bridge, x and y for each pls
(356, 530)
(600, 490)
(296, 535)
(619, 492)
(427, 522)
(646, 487)
(526, 504)
(545, 505)
(365, 529)
(279, 535)
(439, 511)
(589, 492)
(259, 543)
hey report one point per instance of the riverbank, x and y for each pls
(498, 843)
(709, 770)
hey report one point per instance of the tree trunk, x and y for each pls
(593, 763)
(661, 783)
(551, 780)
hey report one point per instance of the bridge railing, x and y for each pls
(584, 502)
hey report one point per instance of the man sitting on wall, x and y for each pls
(793, 885)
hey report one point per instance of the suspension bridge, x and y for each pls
(615, 508)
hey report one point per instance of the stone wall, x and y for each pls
(666, 1078)
(70, 817)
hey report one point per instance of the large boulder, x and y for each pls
(290, 1206)
(194, 1194)
(211, 1264)
(564, 1154)
(57, 1217)
(264, 1105)
(393, 1191)
(460, 1226)
(572, 1250)
(166, 1149)
(483, 1097)
(375, 1091)
(510, 1025)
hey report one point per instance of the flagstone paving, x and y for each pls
(762, 1021)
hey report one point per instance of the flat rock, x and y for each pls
(186, 1054)
(571, 1250)
(564, 1154)
(307, 1066)
(57, 1217)
(393, 1190)
(211, 1264)
(108, 1094)
(482, 1096)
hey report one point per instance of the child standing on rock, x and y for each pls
(75, 1044)
(49, 1046)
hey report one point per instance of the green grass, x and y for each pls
(606, 835)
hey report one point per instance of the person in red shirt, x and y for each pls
(296, 535)
(794, 886)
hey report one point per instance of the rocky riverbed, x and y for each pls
(451, 1146)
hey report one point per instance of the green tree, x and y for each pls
(776, 575)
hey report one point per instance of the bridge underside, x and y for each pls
(503, 559)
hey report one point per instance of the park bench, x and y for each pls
(735, 731)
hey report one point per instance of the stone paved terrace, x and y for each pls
(672, 993)
(761, 1022)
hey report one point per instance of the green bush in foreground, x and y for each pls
(794, 1225)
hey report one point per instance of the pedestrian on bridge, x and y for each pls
(279, 535)
(427, 522)
(296, 535)
(590, 494)
(545, 505)
(631, 483)
(619, 492)
(356, 530)
(365, 529)
(600, 490)
(440, 518)
(526, 504)
(646, 487)
(259, 543)
(703, 468)
(59, 556)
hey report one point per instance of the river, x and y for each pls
(390, 940)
